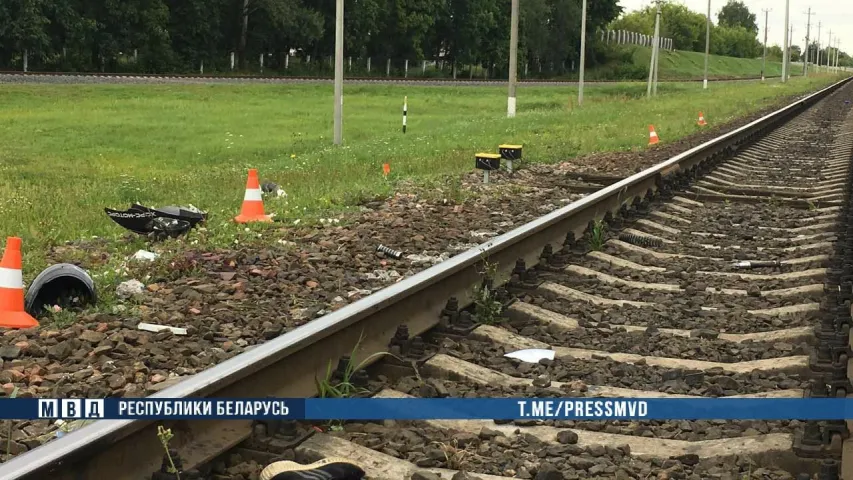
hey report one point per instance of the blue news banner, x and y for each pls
(431, 409)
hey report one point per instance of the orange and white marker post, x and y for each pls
(653, 136)
(12, 313)
(253, 202)
(702, 121)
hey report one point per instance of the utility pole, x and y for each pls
(834, 54)
(829, 51)
(764, 64)
(583, 53)
(835, 49)
(808, 45)
(817, 63)
(339, 71)
(791, 54)
(657, 56)
(655, 52)
(707, 45)
(837, 54)
(786, 50)
(838, 57)
(513, 60)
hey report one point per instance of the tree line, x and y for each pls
(178, 35)
(160, 36)
(734, 35)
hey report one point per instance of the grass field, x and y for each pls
(69, 151)
(681, 65)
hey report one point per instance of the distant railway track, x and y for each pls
(71, 77)
(655, 309)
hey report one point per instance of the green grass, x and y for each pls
(681, 64)
(69, 151)
(684, 65)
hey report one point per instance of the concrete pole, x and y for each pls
(791, 52)
(817, 63)
(339, 70)
(829, 51)
(657, 68)
(707, 45)
(787, 47)
(583, 54)
(838, 56)
(655, 45)
(513, 60)
(808, 45)
(764, 64)
(837, 53)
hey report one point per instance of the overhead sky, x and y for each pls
(834, 15)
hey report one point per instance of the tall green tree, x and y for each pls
(195, 33)
(736, 14)
(23, 28)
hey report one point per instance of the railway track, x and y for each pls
(656, 300)
(72, 77)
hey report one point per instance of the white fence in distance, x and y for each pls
(624, 37)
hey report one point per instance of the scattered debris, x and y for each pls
(64, 286)
(427, 259)
(66, 427)
(145, 255)
(383, 275)
(483, 234)
(269, 188)
(532, 355)
(60, 432)
(150, 327)
(462, 247)
(758, 264)
(170, 221)
(130, 288)
(361, 292)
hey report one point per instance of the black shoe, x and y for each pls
(327, 469)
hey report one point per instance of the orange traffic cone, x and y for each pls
(12, 313)
(653, 136)
(702, 122)
(253, 204)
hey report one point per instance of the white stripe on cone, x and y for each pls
(11, 278)
(253, 195)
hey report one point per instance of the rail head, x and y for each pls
(75, 446)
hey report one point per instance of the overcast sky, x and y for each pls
(835, 15)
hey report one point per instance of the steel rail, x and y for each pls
(287, 366)
(295, 79)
